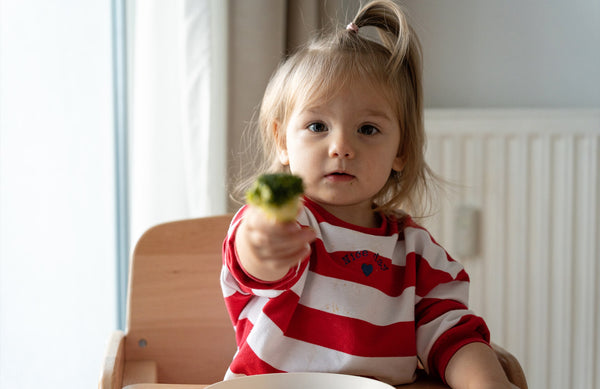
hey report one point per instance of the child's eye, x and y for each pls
(368, 130)
(317, 127)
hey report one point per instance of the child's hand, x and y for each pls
(267, 249)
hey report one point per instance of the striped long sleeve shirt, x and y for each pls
(375, 302)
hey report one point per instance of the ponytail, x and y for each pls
(391, 24)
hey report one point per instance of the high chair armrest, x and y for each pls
(512, 367)
(114, 362)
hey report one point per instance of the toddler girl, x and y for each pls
(354, 286)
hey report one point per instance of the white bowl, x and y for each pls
(301, 381)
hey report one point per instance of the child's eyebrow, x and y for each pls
(312, 110)
(369, 112)
(377, 113)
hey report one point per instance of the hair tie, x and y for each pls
(352, 27)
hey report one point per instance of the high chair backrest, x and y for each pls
(176, 315)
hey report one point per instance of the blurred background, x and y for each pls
(118, 115)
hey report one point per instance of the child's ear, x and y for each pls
(398, 164)
(282, 153)
(283, 156)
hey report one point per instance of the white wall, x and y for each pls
(57, 255)
(512, 53)
(504, 54)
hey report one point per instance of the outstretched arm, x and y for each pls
(475, 365)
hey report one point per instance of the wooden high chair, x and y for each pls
(178, 330)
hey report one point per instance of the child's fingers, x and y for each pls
(277, 243)
(281, 245)
(277, 231)
(292, 240)
(289, 243)
(291, 258)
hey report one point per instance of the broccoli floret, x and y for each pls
(278, 195)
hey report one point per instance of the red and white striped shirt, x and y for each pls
(368, 301)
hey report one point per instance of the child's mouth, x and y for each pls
(339, 176)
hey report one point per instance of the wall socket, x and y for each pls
(467, 224)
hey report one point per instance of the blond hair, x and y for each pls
(319, 70)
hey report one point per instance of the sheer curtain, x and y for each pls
(178, 127)
(198, 72)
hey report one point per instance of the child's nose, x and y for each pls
(341, 147)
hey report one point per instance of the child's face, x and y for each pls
(345, 148)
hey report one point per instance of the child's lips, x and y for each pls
(339, 177)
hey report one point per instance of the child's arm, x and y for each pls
(267, 249)
(475, 365)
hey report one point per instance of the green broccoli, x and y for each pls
(278, 195)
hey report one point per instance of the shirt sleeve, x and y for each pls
(443, 321)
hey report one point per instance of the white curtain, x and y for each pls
(177, 116)
(199, 69)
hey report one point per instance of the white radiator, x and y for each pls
(531, 178)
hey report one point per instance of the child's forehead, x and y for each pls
(321, 92)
